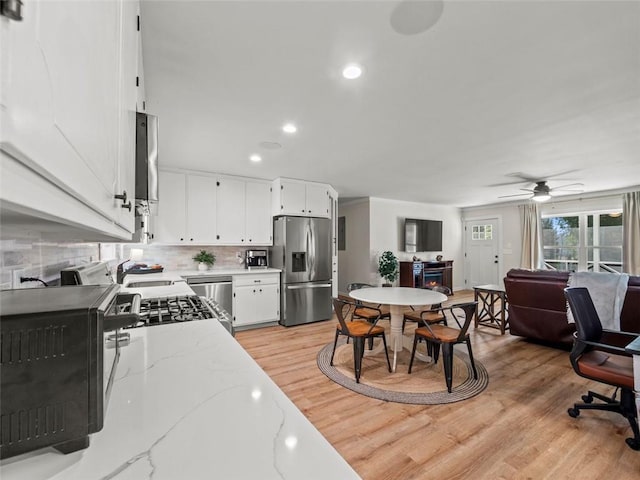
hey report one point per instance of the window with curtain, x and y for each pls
(588, 241)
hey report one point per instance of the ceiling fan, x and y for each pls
(542, 192)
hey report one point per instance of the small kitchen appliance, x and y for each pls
(255, 259)
(59, 352)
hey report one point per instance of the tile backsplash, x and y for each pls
(44, 260)
(174, 257)
(40, 259)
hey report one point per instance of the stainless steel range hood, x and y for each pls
(146, 157)
(146, 174)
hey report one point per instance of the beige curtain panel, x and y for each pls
(631, 233)
(531, 228)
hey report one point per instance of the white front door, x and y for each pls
(482, 259)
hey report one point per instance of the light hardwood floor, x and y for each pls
(518, 428)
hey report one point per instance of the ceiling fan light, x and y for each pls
(542, 197)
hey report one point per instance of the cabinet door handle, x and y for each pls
(123, 197)
(191, 239)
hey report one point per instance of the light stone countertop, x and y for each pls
(189, 402)
(180, 286)
(227, 271)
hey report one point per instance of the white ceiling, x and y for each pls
(442, 116)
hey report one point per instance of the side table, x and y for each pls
(492, 307)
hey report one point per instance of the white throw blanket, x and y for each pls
(607, 291)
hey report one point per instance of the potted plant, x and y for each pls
(205, 259)
(388, 267)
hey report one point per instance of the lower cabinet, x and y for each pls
(256, 299)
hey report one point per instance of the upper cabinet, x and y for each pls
(296, 197)
(205, 208)
(258, 222)
(68, 98)
(187, 210)
(170, 225)
(230, 211)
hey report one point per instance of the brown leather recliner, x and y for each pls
(538, 308)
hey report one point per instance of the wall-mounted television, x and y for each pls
(422, 235)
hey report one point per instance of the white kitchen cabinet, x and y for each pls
(170, 223)
(230, 211)
(258, 223)
(141, 97)
(201, 209)
(256, 299)
(68, 98)
(296, 197)
(333, 200)
(210, 209)
(243, 216)
(187, 209)
(317, 200)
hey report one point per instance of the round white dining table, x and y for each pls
(396, 298)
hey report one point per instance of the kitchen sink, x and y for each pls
(149, 283)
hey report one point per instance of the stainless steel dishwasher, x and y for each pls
(215, 287)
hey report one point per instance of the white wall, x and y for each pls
(353, 263)
(509, 216)
(387, 232)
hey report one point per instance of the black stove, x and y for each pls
(164, 310)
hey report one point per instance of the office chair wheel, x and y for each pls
(633, 443)
(573, 412)
(587, 398)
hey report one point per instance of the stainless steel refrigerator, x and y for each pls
(302, 250)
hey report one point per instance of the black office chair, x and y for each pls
(599, 355)
(359, 330)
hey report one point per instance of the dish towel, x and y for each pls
(607, 291)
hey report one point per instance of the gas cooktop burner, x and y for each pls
(158, 311)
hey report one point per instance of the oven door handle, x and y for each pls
(115, 321)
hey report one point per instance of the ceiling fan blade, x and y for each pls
(525, 177)
(516, 195)
(563, 187)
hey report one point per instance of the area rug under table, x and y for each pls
(424, 386)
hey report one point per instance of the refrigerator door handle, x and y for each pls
(308, 245)
(303, 287)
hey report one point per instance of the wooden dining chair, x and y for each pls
(363, 310)
(432, 315)
(358, 330)
(448, 337)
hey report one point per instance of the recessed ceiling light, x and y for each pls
(290, 128)
(255, 158)
(352, 71)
